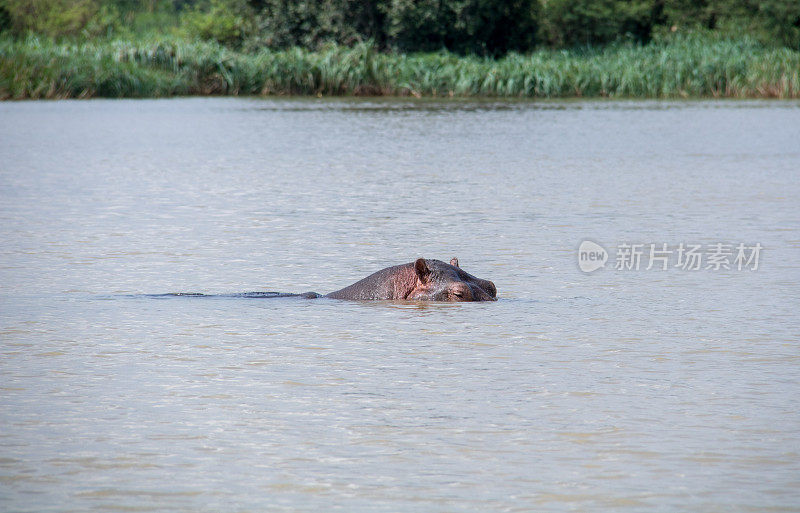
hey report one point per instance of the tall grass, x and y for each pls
(681, 67)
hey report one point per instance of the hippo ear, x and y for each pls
(454, 262)
(421, 268)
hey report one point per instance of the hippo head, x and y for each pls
(438, 281)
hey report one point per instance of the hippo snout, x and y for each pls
(486, 291)
(489, 287)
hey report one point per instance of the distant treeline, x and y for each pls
(481, 27)
(466, 48)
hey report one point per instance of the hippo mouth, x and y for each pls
(472, 291)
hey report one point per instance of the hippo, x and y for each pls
(421, 280)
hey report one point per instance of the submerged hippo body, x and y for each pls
(422, 280)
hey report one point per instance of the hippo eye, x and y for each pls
(458, 293)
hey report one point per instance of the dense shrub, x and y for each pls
(60, 17)
(313, 24)
(769, 21)
(464, 26)
(223, 21)
(481, 27)
(590, 22)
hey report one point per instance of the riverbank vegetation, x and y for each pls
(519, 48)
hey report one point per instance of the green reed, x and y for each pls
(691, 66)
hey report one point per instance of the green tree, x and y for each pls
(781, 20)
(59, 17)
(771, 21)
(312, 23)
(467, 26)
(225, 21)
(591, 22)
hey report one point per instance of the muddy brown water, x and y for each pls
(619, 390)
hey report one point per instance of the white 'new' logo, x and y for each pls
(591, 256)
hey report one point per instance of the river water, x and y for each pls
(616, 390)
